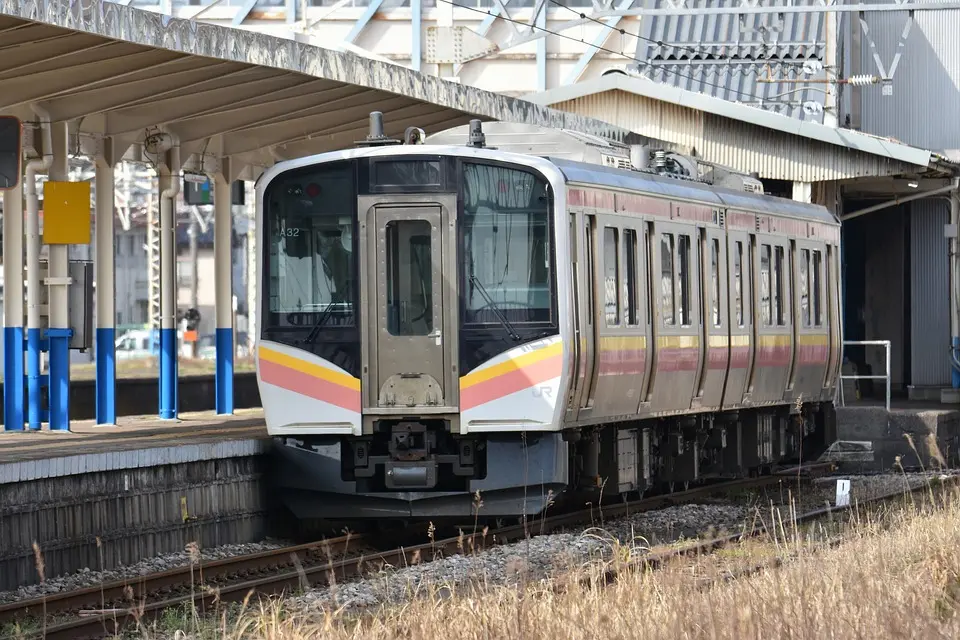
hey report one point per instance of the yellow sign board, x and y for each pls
(66, 213)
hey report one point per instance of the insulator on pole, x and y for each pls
(862, 80)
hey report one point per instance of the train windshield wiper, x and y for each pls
(496, 309)
(322, 320)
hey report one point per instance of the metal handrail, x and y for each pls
(868, 343)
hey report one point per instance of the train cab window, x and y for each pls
(409, 282)
(683, 277)
(766, 299)
(779, 301)
(611, 277)
(804, 286)
(715, 280)
(817, 270)
(630, 284)
(738, 281)
(311, 268)
(666, 279)
(507, 248)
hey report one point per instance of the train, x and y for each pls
(480, 322)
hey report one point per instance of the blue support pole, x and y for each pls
(168, 374)
(106, 352)
(13, 309)
(170, 183)
(105, 347)
(13, 378)
(223, 285)
(58, 333)
(33, 379)
(59, 340)
(224, 379)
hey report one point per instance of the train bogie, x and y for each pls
(448, 328)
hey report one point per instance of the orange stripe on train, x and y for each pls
(308, 379)
(511, 376)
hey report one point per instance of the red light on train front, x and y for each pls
(313, 190)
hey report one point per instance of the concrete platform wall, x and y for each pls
(126, 512)
(871, 438)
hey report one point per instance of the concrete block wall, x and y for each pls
(885, 436)
(104, 519)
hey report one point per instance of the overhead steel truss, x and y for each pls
(609, 13)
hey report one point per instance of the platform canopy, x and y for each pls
(117, 73)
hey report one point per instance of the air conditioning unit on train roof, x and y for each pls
(724, 177)
(581, 147)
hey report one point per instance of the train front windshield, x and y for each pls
(506, 245)
(504, 256)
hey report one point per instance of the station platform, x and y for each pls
(136, 441)
(105, 496)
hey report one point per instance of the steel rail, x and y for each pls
(140, 586)
(657, 560)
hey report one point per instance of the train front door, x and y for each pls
(406, 301)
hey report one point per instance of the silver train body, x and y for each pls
(456, 330)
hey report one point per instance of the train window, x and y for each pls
(506, 246)
(630, 284)
(766, 308)
(715, 279)
(409, 285)
(805, 287)
(611, 277)
(817, 274)
(683, 276)
(778, 285)
(311, 267)
(738, 281)
(414, 172)
(666, 279)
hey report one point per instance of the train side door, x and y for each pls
(834, 319)
(588, 310)
(676, 276)
(715, 336)
(412, 337)
(741, 315)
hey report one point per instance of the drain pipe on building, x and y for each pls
(170, 185)
(35, 166)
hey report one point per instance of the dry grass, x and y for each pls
(896, 574)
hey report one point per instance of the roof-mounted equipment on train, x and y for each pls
(582, 147)
(377, 138)
(477, 139)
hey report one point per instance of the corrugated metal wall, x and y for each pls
(929, 294)
(742, 145)
(783, 156)
(726, 55)
(925, 83)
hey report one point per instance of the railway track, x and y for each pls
(104, 610)
(656, 560)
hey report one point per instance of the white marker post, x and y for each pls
(843, 493)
